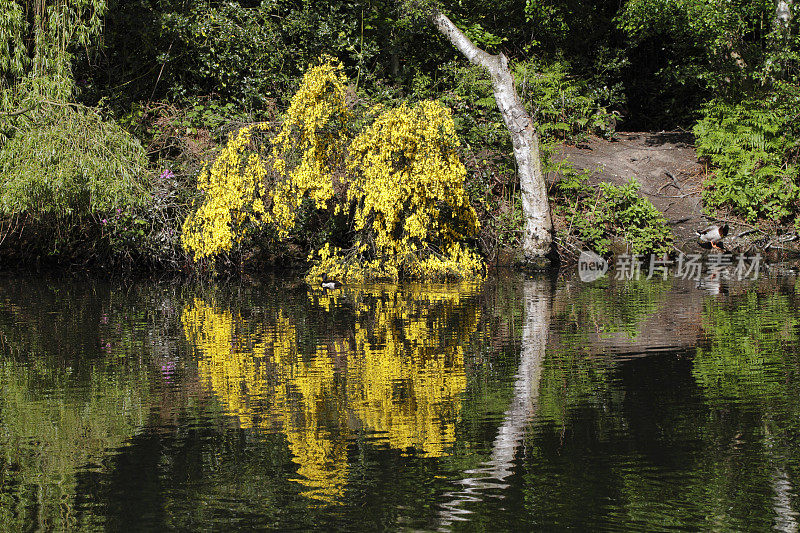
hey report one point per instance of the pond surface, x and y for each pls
(513, 404)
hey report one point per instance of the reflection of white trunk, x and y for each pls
(785, 516)
(492, 473)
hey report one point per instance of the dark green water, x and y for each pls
(513, 405)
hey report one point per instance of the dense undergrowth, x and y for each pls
(148, 94)
(607, 218)
(754, 147)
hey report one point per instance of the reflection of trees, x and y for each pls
(746, 358)
(65, 402)
(47, 438)
(608, 306)
(575, 372)
(633, 443)
(398, 373)
(750, 360)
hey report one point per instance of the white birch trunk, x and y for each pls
(538, 238)
(783, 16)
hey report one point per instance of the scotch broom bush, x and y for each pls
(396, 187)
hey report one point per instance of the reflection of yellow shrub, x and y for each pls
(247, 371)
(405, 381)
(401, 187)
(403, 377)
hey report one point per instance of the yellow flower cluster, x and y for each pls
(314, 137)
(232, 185)
(310, 142)
(403, 377)
(405, 197)
(411, 211)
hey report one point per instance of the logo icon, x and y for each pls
(591, 266)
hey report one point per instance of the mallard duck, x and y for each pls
(329, 283)
(711, 237)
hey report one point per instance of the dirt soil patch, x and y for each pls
(665, 165)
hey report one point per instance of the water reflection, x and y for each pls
(537, 301)
(395, 376)
(745, 358)
(515, 405)
(61, 408)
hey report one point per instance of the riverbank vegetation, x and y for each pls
(113, 113)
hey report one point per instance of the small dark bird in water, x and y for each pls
(711, 237)
(329, 283)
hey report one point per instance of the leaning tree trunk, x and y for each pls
(538, 239)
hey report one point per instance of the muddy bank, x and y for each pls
(666, 166)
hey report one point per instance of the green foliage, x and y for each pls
(70, 163)
(746, 358)
(13, 57)
(479, 35)
(242, 52)
(713, 33)
(642, 225)
(754, 147)
(233, 51)
(694, 50)
(563, 106)
(37, 38)
(596, 216)
(63, 174)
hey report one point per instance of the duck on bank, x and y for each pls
(711, 236)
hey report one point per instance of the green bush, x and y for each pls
(70, 162)
(595, 216)
(753, 146)
(64, 172)
(563, 106)
(231, 51)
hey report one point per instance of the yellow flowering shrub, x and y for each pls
(310, 144)
(412, 213)
(233, 186)
(397, 185)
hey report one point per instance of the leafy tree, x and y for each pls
(37, 38)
